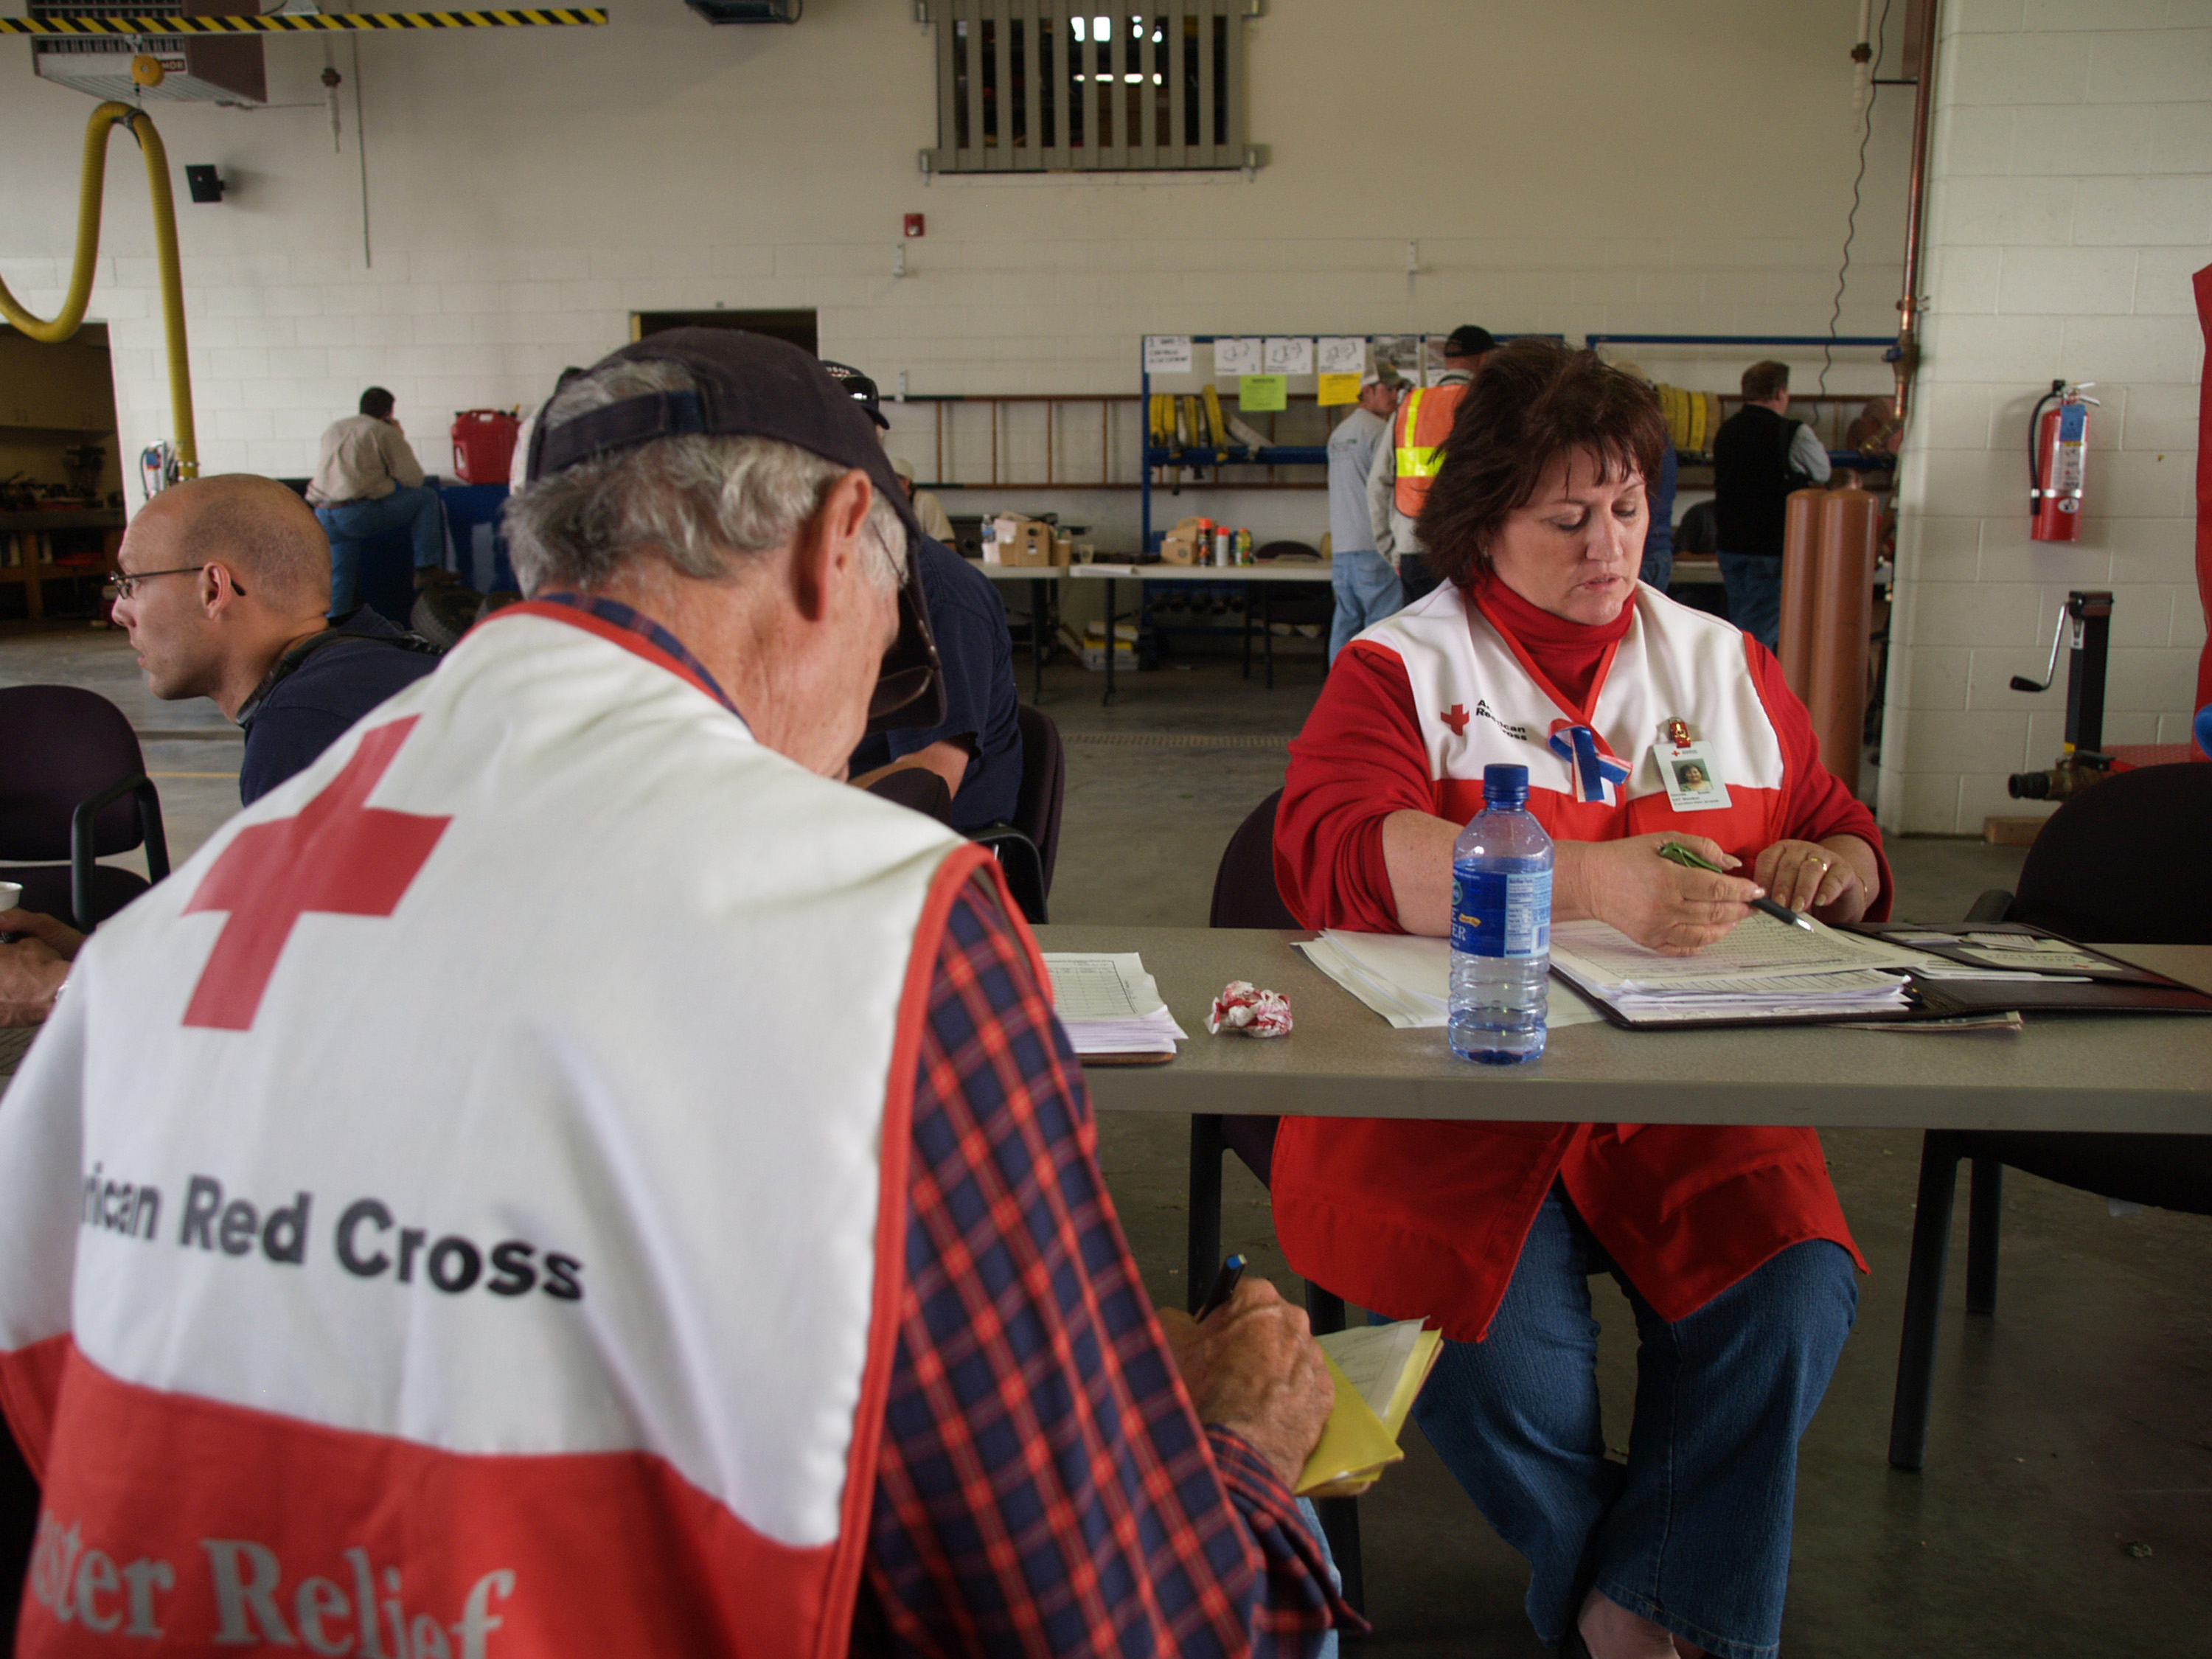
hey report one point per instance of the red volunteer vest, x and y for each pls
(1426, 1221)
(460, 1213)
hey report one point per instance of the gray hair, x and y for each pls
(704, 505)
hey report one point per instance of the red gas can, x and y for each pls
(483, 445)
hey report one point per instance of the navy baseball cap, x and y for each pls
(752, 386)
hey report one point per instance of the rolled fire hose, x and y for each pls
(66, 322)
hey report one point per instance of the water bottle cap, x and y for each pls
(1505, 785)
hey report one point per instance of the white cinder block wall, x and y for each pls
(2070, 202)
(528, 190)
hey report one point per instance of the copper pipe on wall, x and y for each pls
(1923, 109)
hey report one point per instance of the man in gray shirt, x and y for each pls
(367, 483)
(1366, 583)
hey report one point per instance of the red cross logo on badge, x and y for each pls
(1457, 717)
(337, 856)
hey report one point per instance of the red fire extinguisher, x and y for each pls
(2058, 444)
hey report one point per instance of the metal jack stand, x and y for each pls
(2088, 615)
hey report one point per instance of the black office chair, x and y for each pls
(1284, 603)
(73, 788)
(1028, 844)
(2151, 819)
(1245, 896)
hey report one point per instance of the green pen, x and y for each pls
(1674, 853)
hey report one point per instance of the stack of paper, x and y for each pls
(1378, 1371)
(1110, 1005)
(1408, 981)
(1763, 969)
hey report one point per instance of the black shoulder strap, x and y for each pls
(299, 650)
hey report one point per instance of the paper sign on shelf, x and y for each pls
(1235, 357)
(1339, 388)
(1288, 356)
(1261, 394)
(1340, 354)
(1167, 354)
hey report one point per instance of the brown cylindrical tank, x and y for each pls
(1801, 544)
(1843, 603)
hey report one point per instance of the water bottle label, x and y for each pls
(1498, 914)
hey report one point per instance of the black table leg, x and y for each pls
(1036, 635)
(1203, 1256)
(1923, 1296)
(1112, 641)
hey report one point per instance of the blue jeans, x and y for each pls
(1693, 1532)
(1330, 1643)
(416, 510)
(1367, 590)
(1754, 595)
(1658, 567)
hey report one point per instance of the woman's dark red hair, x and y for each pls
(1533, 401)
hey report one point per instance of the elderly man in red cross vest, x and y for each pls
(565, 1174)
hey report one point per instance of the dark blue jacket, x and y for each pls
(970, 621)
(320, 687)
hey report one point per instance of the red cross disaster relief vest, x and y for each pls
(1423, 422)
(461, 1212)
(1482, 701)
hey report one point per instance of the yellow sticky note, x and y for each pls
(1259, 394)
(1340, 389)
(1354, 1445)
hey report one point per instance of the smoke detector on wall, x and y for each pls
(748, 11)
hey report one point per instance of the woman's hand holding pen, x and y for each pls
(1253, 1368)
(1662, 906)
(1834, 879)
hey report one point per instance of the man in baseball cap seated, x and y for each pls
(975, 746)
(713, 1259)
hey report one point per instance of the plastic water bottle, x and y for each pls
(1501, 925)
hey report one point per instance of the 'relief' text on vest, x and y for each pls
(252, 1598)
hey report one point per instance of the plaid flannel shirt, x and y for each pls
(1044, 1485)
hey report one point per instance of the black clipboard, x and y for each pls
(2114, 988)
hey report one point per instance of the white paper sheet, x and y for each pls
(1372, 1358)
(1167, 354)
(1408, 980)
(1110, 1005)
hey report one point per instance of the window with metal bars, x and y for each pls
(1033, 86)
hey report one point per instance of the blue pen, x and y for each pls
(1225, 1286)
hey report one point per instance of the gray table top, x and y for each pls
(2138, 1074)
(1294, 570)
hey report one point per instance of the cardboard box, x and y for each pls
(1025, 541)
(1187, 543)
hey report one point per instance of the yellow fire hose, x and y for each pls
(87, 251)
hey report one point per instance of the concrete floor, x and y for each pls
(2067, 1504)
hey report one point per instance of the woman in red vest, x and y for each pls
(1541, 649)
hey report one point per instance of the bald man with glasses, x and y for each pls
(222, 584)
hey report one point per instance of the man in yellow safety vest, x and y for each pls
(1398, 482)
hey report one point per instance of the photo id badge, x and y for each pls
(1693, 785)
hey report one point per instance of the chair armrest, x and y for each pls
(83, 823)
(1994, 905)
(1023, 866)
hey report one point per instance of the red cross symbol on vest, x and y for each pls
(337, 856)
(1457, 717)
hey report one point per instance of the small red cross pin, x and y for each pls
(337, 856)
(1457, 717)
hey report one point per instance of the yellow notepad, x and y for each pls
(1378, 1371)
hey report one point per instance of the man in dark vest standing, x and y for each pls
(1760, 456)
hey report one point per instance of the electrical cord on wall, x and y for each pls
(1851, 220)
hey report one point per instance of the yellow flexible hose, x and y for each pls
(71, 315)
